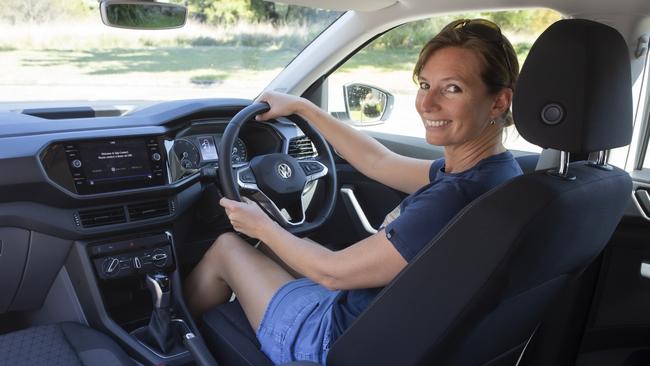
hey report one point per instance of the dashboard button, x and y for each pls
(156, 157)
(159, 258)
(137, 263)
(110, 267)
(76, 163)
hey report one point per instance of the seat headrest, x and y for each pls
(575, 91)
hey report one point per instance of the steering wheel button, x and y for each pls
(307, 167)
(247, 176)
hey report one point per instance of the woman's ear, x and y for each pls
(502, 102)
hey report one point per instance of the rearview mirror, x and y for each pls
(367, 105)
(137, 14)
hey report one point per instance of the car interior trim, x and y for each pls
(348, 194)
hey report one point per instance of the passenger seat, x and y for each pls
(62, 344)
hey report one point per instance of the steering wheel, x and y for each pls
(277, 181)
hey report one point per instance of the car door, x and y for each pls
(617, 326)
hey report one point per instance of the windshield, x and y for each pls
(61, 51)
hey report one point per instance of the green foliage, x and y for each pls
(524, 21)
(254, 39)
(219, 12)
(528, 22)
(222, 11)
(36, 11)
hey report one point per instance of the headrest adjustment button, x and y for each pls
(552, 114)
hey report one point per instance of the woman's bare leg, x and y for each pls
(230, 265)
(262, 247)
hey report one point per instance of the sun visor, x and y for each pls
(359, 5)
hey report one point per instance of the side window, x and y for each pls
(379, 75)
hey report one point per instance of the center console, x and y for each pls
(132, 257)
(132, 291)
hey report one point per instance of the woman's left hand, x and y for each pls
(246, 217)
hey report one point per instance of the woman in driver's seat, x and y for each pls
(466, 76)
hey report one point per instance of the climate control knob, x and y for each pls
(110, 266)
(159, 258)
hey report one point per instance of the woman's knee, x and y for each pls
(224, 246)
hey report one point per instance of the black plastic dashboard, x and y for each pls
(80, 177)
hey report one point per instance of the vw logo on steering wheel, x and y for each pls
(284, 170)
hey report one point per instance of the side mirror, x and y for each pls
(367, 105)
(142, 14)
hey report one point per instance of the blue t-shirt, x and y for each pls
(420, 217)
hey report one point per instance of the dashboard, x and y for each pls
(78, 177)
(91, 166)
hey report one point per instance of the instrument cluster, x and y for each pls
(193, 152)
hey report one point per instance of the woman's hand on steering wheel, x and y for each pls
(246, 217)
(281, 105)
(277, 180)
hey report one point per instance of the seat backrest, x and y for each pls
(476, 293)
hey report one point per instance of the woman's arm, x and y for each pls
(372, 262)
(364, 153)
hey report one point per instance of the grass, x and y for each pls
(156, 60)
(208, 79)
(89, 53)
(94, 35)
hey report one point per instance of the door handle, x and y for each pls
(642, 200)
(351, 199)
(645, 270)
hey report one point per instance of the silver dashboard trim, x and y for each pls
(271, 208)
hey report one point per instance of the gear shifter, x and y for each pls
(159, 328)
(158, 285)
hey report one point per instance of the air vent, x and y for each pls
(102, 216)
(147, 210)
(302, 147)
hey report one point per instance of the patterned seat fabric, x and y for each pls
(62, 344)
(44, 345)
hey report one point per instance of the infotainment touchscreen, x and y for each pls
(112, 161)
(208, 148)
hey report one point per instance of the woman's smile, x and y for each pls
(431, 123)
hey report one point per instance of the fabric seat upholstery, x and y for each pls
(231, 338)
(477, 292)
(62, 344)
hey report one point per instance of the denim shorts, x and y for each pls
(297, 322)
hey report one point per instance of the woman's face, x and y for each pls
(452, 99)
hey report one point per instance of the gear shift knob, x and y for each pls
(160, 289)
